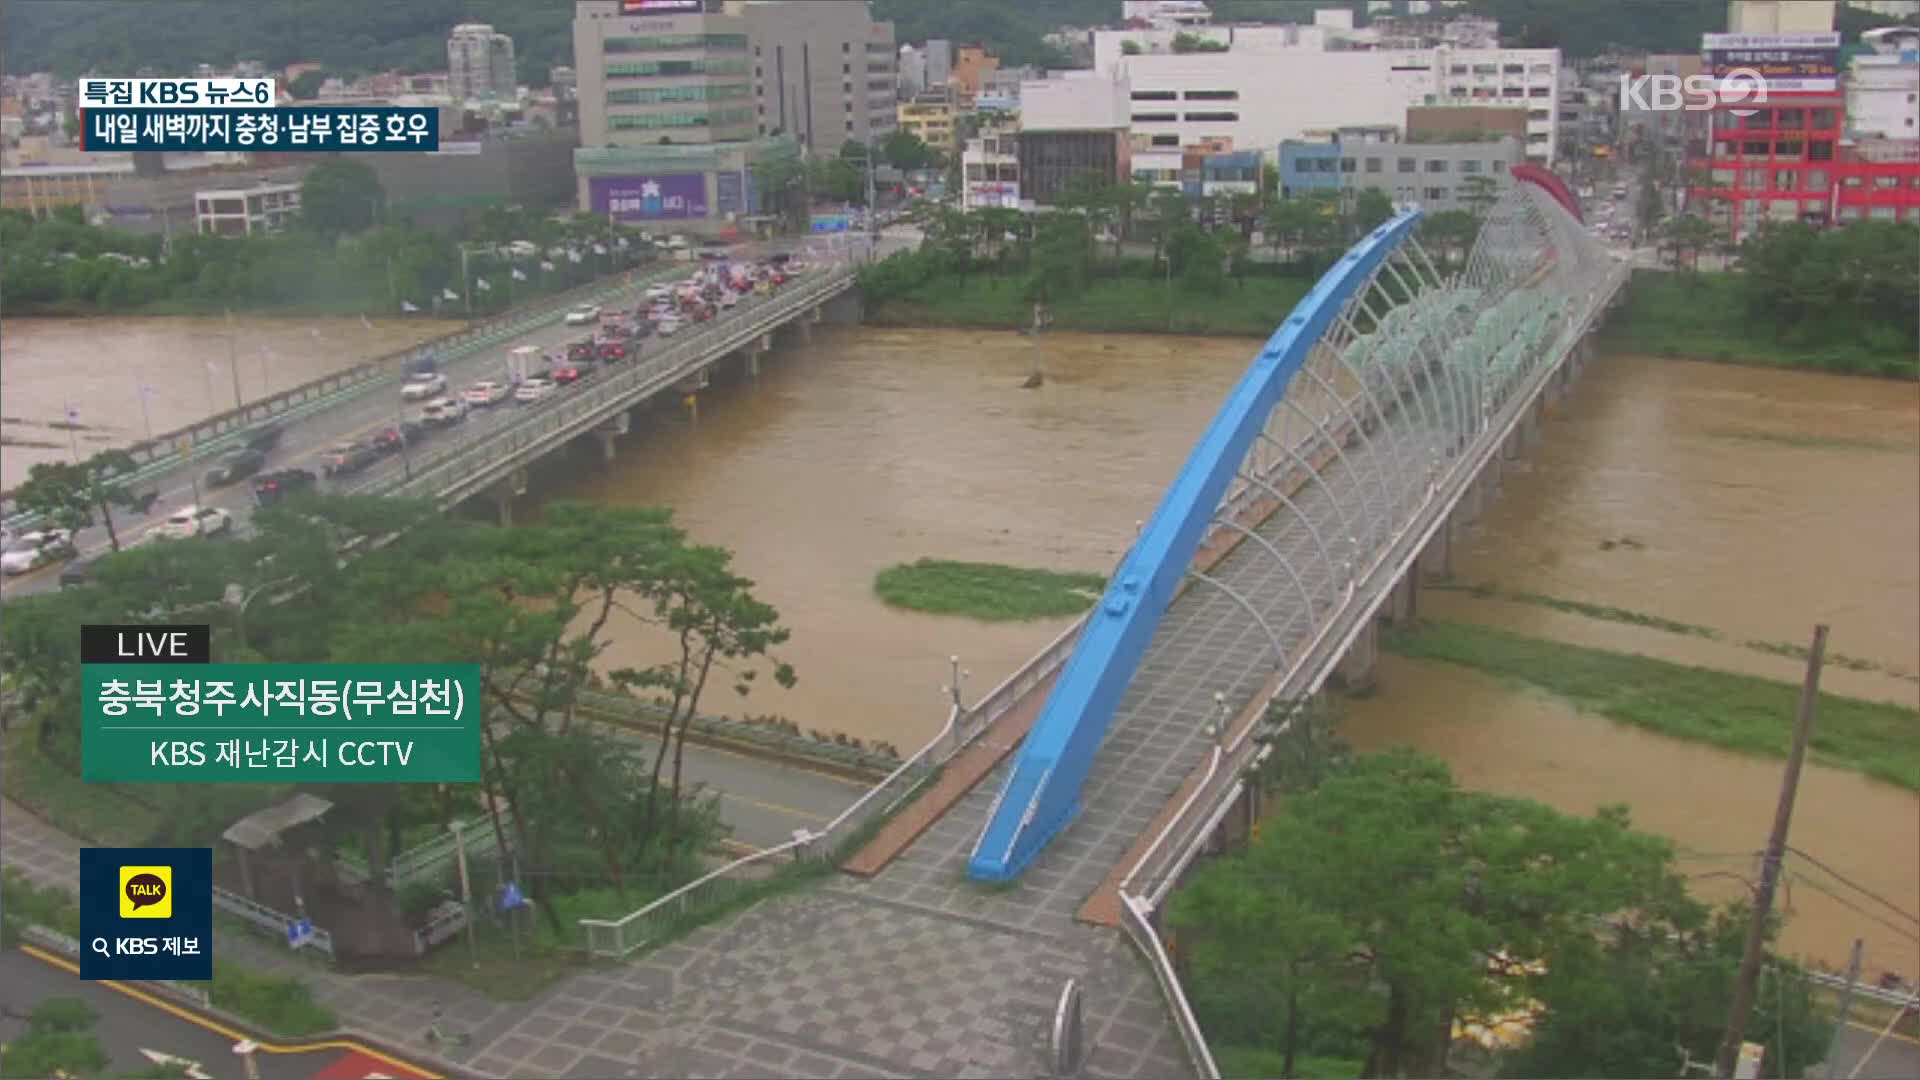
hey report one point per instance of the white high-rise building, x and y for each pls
(480, 64)
(1883, 89)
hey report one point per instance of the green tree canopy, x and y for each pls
(340, 197)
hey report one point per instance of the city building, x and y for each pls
(522, 166)
(1072, 128)
(1779, 16)
(39, 189)
(929, 118)
(1888, 9)
(912, 71)
(1877, 180)
(1309, 167)
(479, 64)
(1180, 98)
(1434, 176)
(679, 103)
(990, 169)
(1162, 13)
(564, 82)
(246, 210)
(972, 64)
(1235, 172)
(939, 56)
(1464, 123)
(1883, 87)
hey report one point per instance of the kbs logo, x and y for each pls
(1694, 93)
(146, 892)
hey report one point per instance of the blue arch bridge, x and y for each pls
(975, 933)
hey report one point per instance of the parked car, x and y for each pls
(32, 550)
(613, 350)
(274, 486)
(192, 521)
(235, 467)
(485, 392)
(422, 385)
(534, 389)
(442, 411)
(564, 374)
(77, 573)
(583, 314)
(264, 438)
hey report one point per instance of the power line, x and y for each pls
(1861, 889)
(1858, 910)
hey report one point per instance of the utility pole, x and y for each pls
(233, 361)
(1743, 989)
(1846, 998)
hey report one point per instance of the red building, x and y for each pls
(1789, 161)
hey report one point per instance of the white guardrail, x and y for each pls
(471, 464)
(1221, 783)
(621, 937)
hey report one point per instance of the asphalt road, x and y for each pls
(1897, 1058)
(133, 1020)
(306, 439)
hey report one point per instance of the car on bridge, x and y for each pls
(580, 350)
(484, 393)
(534, 389)
(265, 438)
(422, 385)
(443, 411)
(33, 550)
(659, 292)
(235, 467)
(612, 350)
(399, 437)
(667, 326)
(191, 521)
(345, 459)
(566, 374)
(583, 315)
(274, 486)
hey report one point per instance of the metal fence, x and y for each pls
(463, 468)
(424, 860)
(271, 923)
(219, 433)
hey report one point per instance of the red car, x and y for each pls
(563, 374)
(613, 350)
(580, 350)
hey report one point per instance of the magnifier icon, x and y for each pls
(100, 946)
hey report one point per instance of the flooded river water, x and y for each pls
(193, 367)
(1754, 502)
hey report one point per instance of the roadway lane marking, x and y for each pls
(209, 1024)
(774, 808)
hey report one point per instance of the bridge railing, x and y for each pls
(455, 468)
(217, 434)
(654, 922)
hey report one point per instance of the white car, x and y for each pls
(484, 393)
(729, 298)
(667, 327)
(194, 521)
(422, 385)
(535, 389)
(583, 314)
(444, 410)
(659, 292)
(30, 551)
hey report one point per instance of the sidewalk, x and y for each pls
(391, 1007)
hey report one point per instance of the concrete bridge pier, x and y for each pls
(843, 310)
(503, 493)
(752, 352)
(1435, 563)
(1357, 669)
(1403, 601)
(606, 433)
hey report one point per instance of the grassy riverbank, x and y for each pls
(1710, 316)
(1246, 307)
(1734, 712)
(990, 592)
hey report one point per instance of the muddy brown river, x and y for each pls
(1755, 502)
(96, 366)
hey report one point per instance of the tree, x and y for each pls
(906, 151)
(340, 197)
(1479, 193)
(1130, 47)
(1371, 210)
(68, 493)
(1062, 254)
(306, 85)
(59, 1040)
(1684, 237)
(782, 184)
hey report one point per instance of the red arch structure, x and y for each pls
(1554, 186)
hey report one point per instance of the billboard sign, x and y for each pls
(662, 7)
(1788, 63)
(729, 192)
(672, 196)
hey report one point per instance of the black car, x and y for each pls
(235, 467)
(265, 437)
(407, 433)
(77, 573)
(273, 487)
(347, 460)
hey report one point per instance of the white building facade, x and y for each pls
(245, 211)
(990, 169)
(1883, 89)
(480, 64)
(1257, 96)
